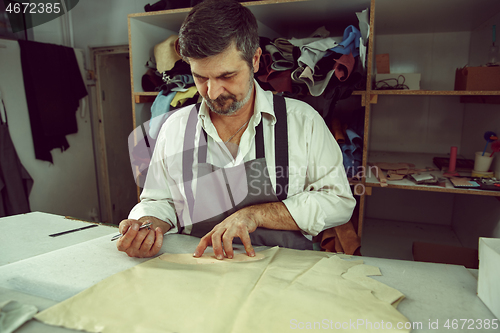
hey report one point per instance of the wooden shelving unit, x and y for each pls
(420, 160)
(145, 97)
(435, 92)
(149, 97)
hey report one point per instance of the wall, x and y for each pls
(109, 24)
(478, 216)
(94, 23)
(440, 123)
(50, 32)
(68, 186)
(410, 206)
(428, 124)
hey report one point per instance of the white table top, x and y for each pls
(433, 291)
(27, 235)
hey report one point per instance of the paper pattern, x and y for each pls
(187, 258)
(284, 289)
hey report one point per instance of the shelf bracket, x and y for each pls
(373, 99)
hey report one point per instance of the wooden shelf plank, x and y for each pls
(421, 160)
(160, 13)
(435, 92)
(436, 189)
(188, 9)
(383, 92)
(145, 97)
(148, 93)
(149, 97)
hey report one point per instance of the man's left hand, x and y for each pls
(240, 224)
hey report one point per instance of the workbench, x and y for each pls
(41, 270)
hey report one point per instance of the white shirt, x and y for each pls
(319, 196)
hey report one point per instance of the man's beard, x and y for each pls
(216, 105)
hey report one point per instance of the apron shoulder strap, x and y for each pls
(202, 145)
(259, 141)
(187, 154)
(281, 147)
(197, 108)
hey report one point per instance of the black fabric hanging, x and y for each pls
(15, 181)
(53, 86)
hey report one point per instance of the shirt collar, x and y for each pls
(263, 104)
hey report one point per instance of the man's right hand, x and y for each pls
(142, 243)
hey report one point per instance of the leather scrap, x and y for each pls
(342, 238)
(380, 176)
(397, 171)
(337, 131)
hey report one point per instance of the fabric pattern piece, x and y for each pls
(280, 81)
(311, 53)
(160, 112)
(13, 314)
(352, 152)
(350, 42)
(161, 105)
(284, 47)
(280, 63)
(160, 296)
(182, 96)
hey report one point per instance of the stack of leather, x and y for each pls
(341, 239)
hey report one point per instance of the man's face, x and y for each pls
(225, 81)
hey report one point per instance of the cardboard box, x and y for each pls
(412, 80)
(488, 283)
(477, 78)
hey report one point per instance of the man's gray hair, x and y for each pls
(213, 25)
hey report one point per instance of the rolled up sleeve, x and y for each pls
(326, 198)
(156, 197)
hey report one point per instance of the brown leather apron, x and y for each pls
(222, 191)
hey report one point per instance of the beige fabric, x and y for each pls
(397, 171)
(165, 54)
(278, 293)
(394, 166)
(182, 96)
(187, 258)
